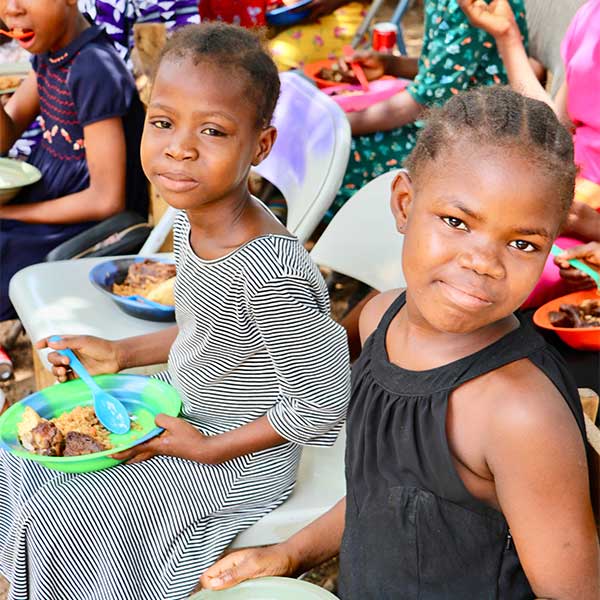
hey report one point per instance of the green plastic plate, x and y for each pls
(143, 397)
(268, 588)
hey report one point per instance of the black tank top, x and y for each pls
(413, 530)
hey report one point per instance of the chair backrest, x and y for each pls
(307, 162)
(309, 158)
(362, 241)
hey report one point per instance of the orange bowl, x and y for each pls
(580, 338)
(311, 70)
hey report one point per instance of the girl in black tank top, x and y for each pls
(466, 460)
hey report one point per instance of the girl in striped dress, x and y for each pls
(261, 367)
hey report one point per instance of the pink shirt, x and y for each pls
(581, 54)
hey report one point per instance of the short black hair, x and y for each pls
(235, 48)
(497, 116)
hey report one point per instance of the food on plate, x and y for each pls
(9, 82)
(334, 73)
(29, 421)
(163, 293)
(46, 439)
(77, 444)
(73, 433)
(146, 277)
(586, 314)
(348, 92)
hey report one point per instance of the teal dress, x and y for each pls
(456, 56)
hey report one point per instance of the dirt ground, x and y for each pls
(23, 383)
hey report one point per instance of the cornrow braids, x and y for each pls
(231, 48)
(498, 116)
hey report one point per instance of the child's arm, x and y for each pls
(497, 19)
(110, 356)
(388, 114)
(311, 546)
(19, 113)
(309, 353)
(106, 158)
(536, 454)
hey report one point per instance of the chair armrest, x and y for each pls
(123, 233)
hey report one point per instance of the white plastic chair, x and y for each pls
(362, 240)
(307, 162)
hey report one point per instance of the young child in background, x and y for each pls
(261, 367)
(466, 457)
(117, 17)
(456, 56)
(91, 120)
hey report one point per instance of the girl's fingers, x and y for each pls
(589, 252)
(233, 569)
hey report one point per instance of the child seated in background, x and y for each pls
(91, 120)
(260, 366)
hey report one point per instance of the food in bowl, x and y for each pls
(151, 279)
(335, 74)
(73, 433)
(10, 82)
(585, 314)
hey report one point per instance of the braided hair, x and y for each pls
(498, 117)
(231, 48)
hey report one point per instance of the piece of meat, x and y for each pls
(573, 312)
(560, 319)
(46, 439)
(590, 307)
(77, 444)
(149, 272)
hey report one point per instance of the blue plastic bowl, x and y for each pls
(105, 274)
(288, 15)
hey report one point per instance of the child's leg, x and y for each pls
(24, 244)
(310, 42)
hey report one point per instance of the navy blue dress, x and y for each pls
(413, 530)
(81, 84)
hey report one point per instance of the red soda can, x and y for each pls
(6, 366)
(384, 37)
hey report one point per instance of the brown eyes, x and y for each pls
(523, 245)
(455, 223)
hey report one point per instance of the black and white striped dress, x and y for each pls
(255, 338)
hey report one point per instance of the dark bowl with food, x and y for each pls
(105, 275)
(575, 318)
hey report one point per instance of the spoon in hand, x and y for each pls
(109, 410)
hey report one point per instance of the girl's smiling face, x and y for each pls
(478, 226)
(201, 134)
(45, 25)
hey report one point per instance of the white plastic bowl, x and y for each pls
(15, 175)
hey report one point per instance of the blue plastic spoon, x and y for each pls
(110, 412)
(578, 264)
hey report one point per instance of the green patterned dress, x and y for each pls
(455, 56)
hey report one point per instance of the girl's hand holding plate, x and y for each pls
(178, 439)
(249, 563)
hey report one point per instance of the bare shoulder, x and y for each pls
(373, 311)
(527, 396)
(527, 413)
